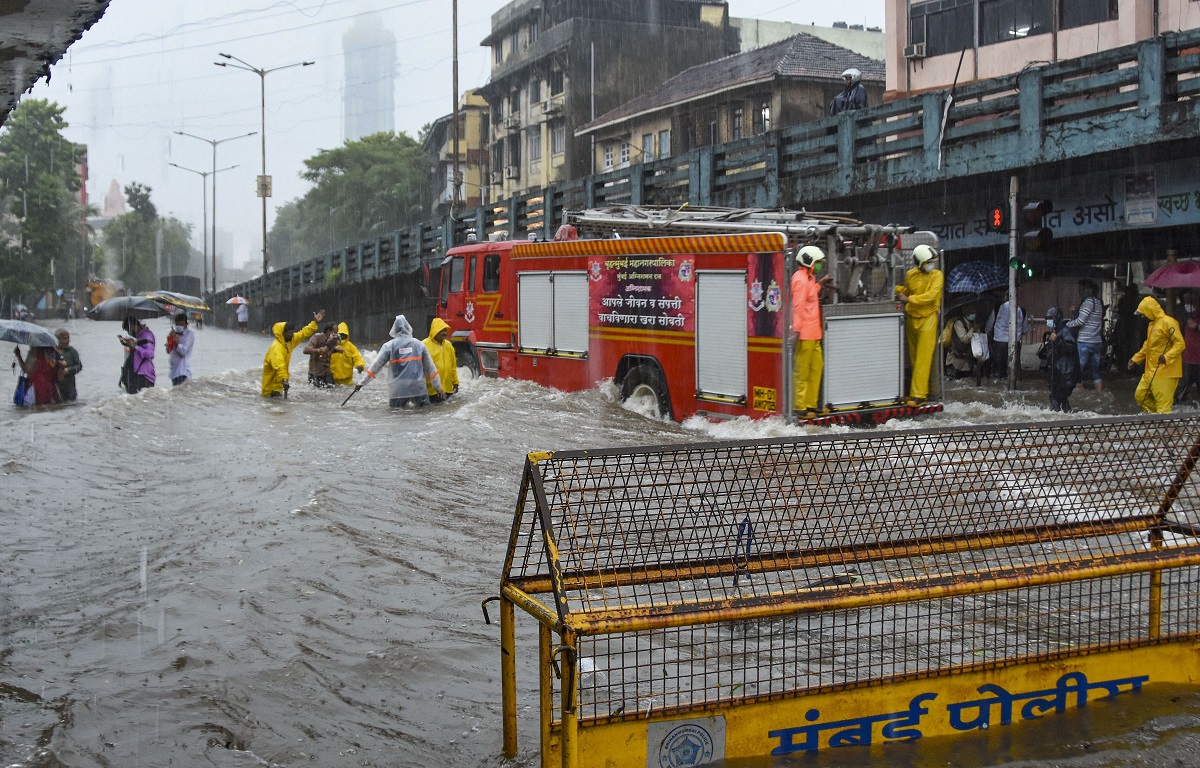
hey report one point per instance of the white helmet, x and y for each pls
(923, 253)
(853, 74)
(810, 255)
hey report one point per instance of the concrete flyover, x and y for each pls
(33, 35)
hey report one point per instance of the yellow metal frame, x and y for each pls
(562, 512)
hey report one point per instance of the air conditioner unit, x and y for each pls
(497, 177)
(512, 172)
(512, 121)
(551, 106)
(914, 51)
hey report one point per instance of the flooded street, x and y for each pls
(196, 576)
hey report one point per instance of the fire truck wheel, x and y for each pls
(646, 381)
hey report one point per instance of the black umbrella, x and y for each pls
(121, 307)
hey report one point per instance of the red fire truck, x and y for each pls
(687, 307)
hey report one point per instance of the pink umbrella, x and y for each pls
(1175, 274)
(237, 300)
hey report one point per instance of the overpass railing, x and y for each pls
(1136, 95)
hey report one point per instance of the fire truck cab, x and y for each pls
(690, 311)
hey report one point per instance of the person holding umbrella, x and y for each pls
(41, 368)
(138, 372)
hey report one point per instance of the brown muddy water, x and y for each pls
(195, 576)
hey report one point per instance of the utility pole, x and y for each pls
(457, 202)
(1013, 360)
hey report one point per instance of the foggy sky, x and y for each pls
(145, 70)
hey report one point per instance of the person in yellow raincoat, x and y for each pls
(807, 332)
(1163, 355)
(342, 364)
(277, 363)
(442, 351)
(921, 295)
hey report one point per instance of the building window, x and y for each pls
(498, 53)
(1080, 13)
(608, 157)
(535, 91)
(498, 156)
(762, 118)
(514, 151)
(1003, 20)
(533, 139)
(945, 26)
(624, 153)
(513, 41)
(558, 137)
(664, 143)
(647, 147)
(556, 82)
(533, 33)
(737, 124)
(514, 103)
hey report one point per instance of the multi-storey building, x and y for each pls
(368, 100)
(937, 43)
(473, 126)
(782, 84)
(556, 64)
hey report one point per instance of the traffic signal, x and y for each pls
(996, 220)
(1020, 266)
(1036, 236)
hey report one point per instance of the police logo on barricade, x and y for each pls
(686, 743)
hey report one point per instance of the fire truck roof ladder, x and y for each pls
(801, 225)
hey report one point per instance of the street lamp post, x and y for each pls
(214, 143)
(204, 189)
(264, 188)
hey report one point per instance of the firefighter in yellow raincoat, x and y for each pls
(279, 357)
(807, 332)
(921, 295)
(441, 349)
(343, 363)
(1163, 355)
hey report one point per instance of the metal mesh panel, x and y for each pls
(714, 572)
(704, 523)
(678, 668)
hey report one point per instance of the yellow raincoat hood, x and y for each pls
(443, 356)
(342, 364)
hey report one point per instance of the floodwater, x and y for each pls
(196, 576)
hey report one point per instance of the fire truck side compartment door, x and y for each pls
(571, 312)
(721, 344)
(864, 354)
(535, 298)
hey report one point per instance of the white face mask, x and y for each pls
(180, 328)
(927, 266)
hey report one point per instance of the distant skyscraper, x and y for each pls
(368, 104)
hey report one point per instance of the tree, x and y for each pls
(141, 246)
(38, 183)
(362, 190)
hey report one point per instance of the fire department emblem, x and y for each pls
(469, 313)
(685, 271)
(594, 272)
(756, 296)
(774, 297)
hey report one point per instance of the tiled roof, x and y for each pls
(801, 56)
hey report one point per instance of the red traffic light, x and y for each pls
(996, 220)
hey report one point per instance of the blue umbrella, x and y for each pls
(29, 334)
(976, 277)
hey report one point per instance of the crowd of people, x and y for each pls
(976, 338)
(1073, 349)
